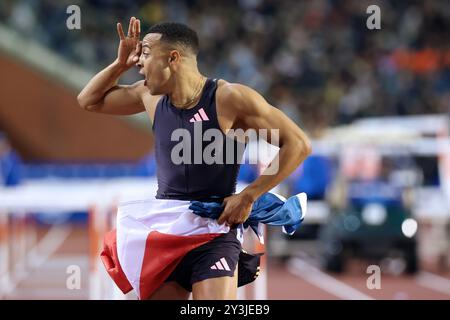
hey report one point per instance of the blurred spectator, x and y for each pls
(316, 60)
(314, 177)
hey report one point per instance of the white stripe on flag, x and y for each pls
(137, 218)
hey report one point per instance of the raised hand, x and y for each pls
(130, 46)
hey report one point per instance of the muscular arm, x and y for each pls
(102, 94)
(247, 109)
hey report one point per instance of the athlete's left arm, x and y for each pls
(249, 110)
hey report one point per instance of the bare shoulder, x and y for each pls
(227, 91)
(239, 97)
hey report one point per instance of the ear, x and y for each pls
(174, 56)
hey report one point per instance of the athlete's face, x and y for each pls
(154, 64)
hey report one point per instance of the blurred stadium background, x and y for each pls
(374, 102)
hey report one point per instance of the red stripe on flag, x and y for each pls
(162, 254)
(111, 262)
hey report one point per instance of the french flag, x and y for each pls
(153, 235)
(151, 238)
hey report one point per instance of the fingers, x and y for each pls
(120, 31)
(137, 31)
(227, 219)
(226, 215)
(230, 219)
(131, 27)
(134, 29)
(223, 217)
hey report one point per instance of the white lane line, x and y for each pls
(42, 251)
(61, 263)
(433, 282)
(323, 281)
(49, 294)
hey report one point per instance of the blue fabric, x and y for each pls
(248, 172)
(10, 173)
(312, 177)
(268, 209)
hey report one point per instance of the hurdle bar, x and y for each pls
(5, 275)
(101, 220)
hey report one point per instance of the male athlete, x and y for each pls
(176, 95)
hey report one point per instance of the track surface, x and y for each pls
(295, 279)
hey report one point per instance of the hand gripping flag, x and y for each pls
(270, 208)
(153, 235)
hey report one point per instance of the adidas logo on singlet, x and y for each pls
(199, 116)
(221, 265)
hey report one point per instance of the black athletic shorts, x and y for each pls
(216, 258)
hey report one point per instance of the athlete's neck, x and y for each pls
(187, 89)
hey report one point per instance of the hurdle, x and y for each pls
(260, 287)
(95, 230)
(20, 239)
(101, 220)
(14, 263)
(5, 277)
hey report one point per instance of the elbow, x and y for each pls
(299, 148)
(304, 147)
(84, 103)
(308, 147)
(81, 101)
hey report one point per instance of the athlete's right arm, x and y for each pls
(102, 93)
